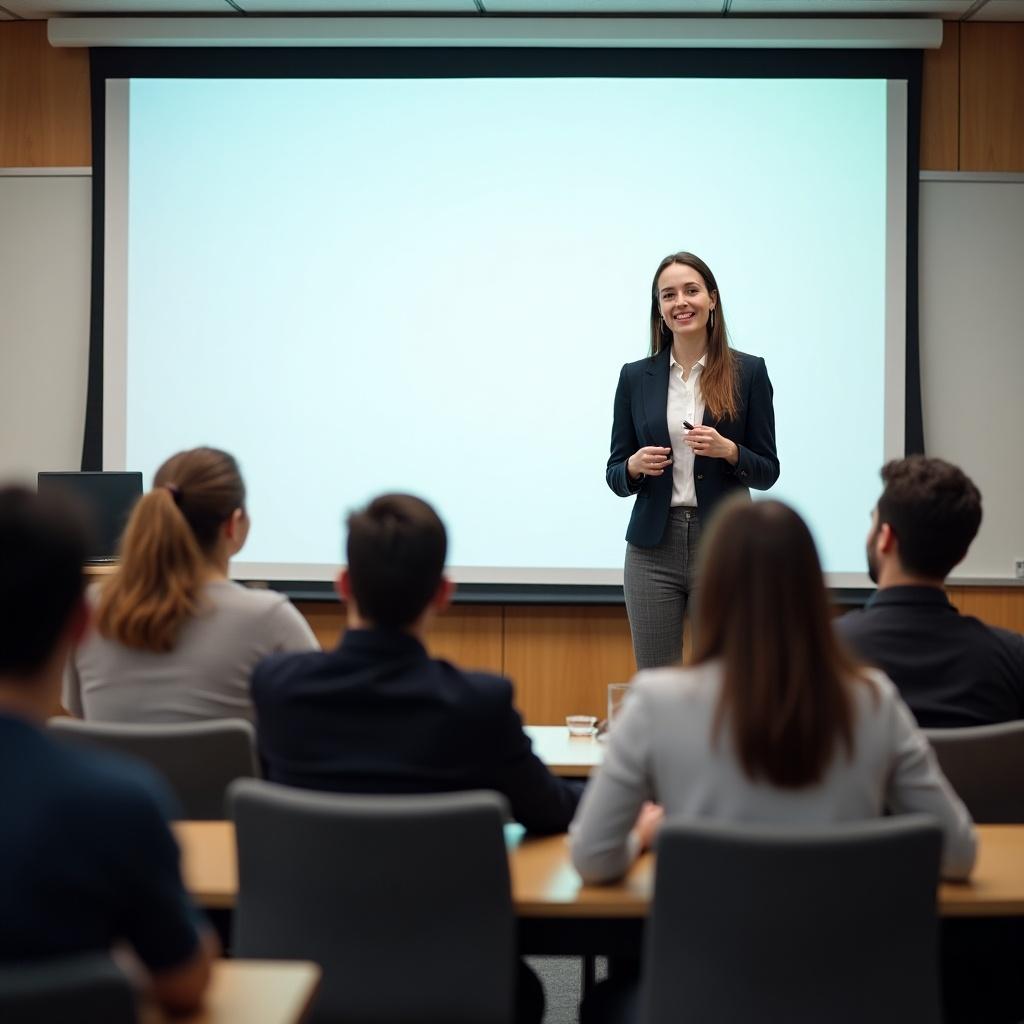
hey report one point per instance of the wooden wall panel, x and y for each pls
(326, 619)
(44, 100)
(992, 96)
(940, 103)
(998, 606)
(470, 636)
(561, 659)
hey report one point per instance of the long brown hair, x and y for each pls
(718, 381)
(763, 611)
(170, 535)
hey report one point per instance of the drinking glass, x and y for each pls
(617, 695)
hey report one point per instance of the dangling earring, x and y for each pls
(711, 319)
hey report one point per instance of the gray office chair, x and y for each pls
(985, 765)
(801, 926)
(86, 989)
(198, 759)
(404, 901)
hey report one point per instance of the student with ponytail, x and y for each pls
(174, 639)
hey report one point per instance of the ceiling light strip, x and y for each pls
(494, 31)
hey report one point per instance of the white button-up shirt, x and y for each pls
(685, 402)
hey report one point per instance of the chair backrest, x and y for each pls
(801, 926)
(86, 989)
(985, 765)
(198, 759)
(405, 902)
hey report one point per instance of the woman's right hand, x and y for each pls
(649, 461)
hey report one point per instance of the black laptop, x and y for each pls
(108, 499)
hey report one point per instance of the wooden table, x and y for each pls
(251, 991)
(569, 756)
(546, 886)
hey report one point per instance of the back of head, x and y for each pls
(171, 534)
(762, 610)
(935, 511)
(43, 545)
(396, 551)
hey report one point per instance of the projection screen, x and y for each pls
(361, 285)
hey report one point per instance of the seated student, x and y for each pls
(378, 714)
(175, 639)
(951, 669)
(87, 859)
(772, 722)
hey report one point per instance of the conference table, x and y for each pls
(559, 914)
(253, 991)
(571, 757)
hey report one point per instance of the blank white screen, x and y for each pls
(359, 286)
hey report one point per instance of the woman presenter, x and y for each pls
(693, 423)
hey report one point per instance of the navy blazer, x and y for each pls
(641, 419)
(379, 715)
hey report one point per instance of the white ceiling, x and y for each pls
(971, 10)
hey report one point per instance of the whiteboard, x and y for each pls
(45, 239)
(972, 335)
(972, 349)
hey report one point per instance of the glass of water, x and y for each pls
(617, 695)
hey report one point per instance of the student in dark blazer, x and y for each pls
(693, 423)
(378, 714)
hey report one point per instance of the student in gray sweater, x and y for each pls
(773, 722)
(175, 640)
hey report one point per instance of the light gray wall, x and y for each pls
(45, 238)
(972, 336)
(972, 348)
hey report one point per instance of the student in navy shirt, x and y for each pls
(87, 859)
(951, 669)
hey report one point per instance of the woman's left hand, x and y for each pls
(648, 824)
(709, 442)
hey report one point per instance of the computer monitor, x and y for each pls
(107, 497)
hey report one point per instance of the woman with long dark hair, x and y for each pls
(773, 721)
(175, 640)
(693, 423)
